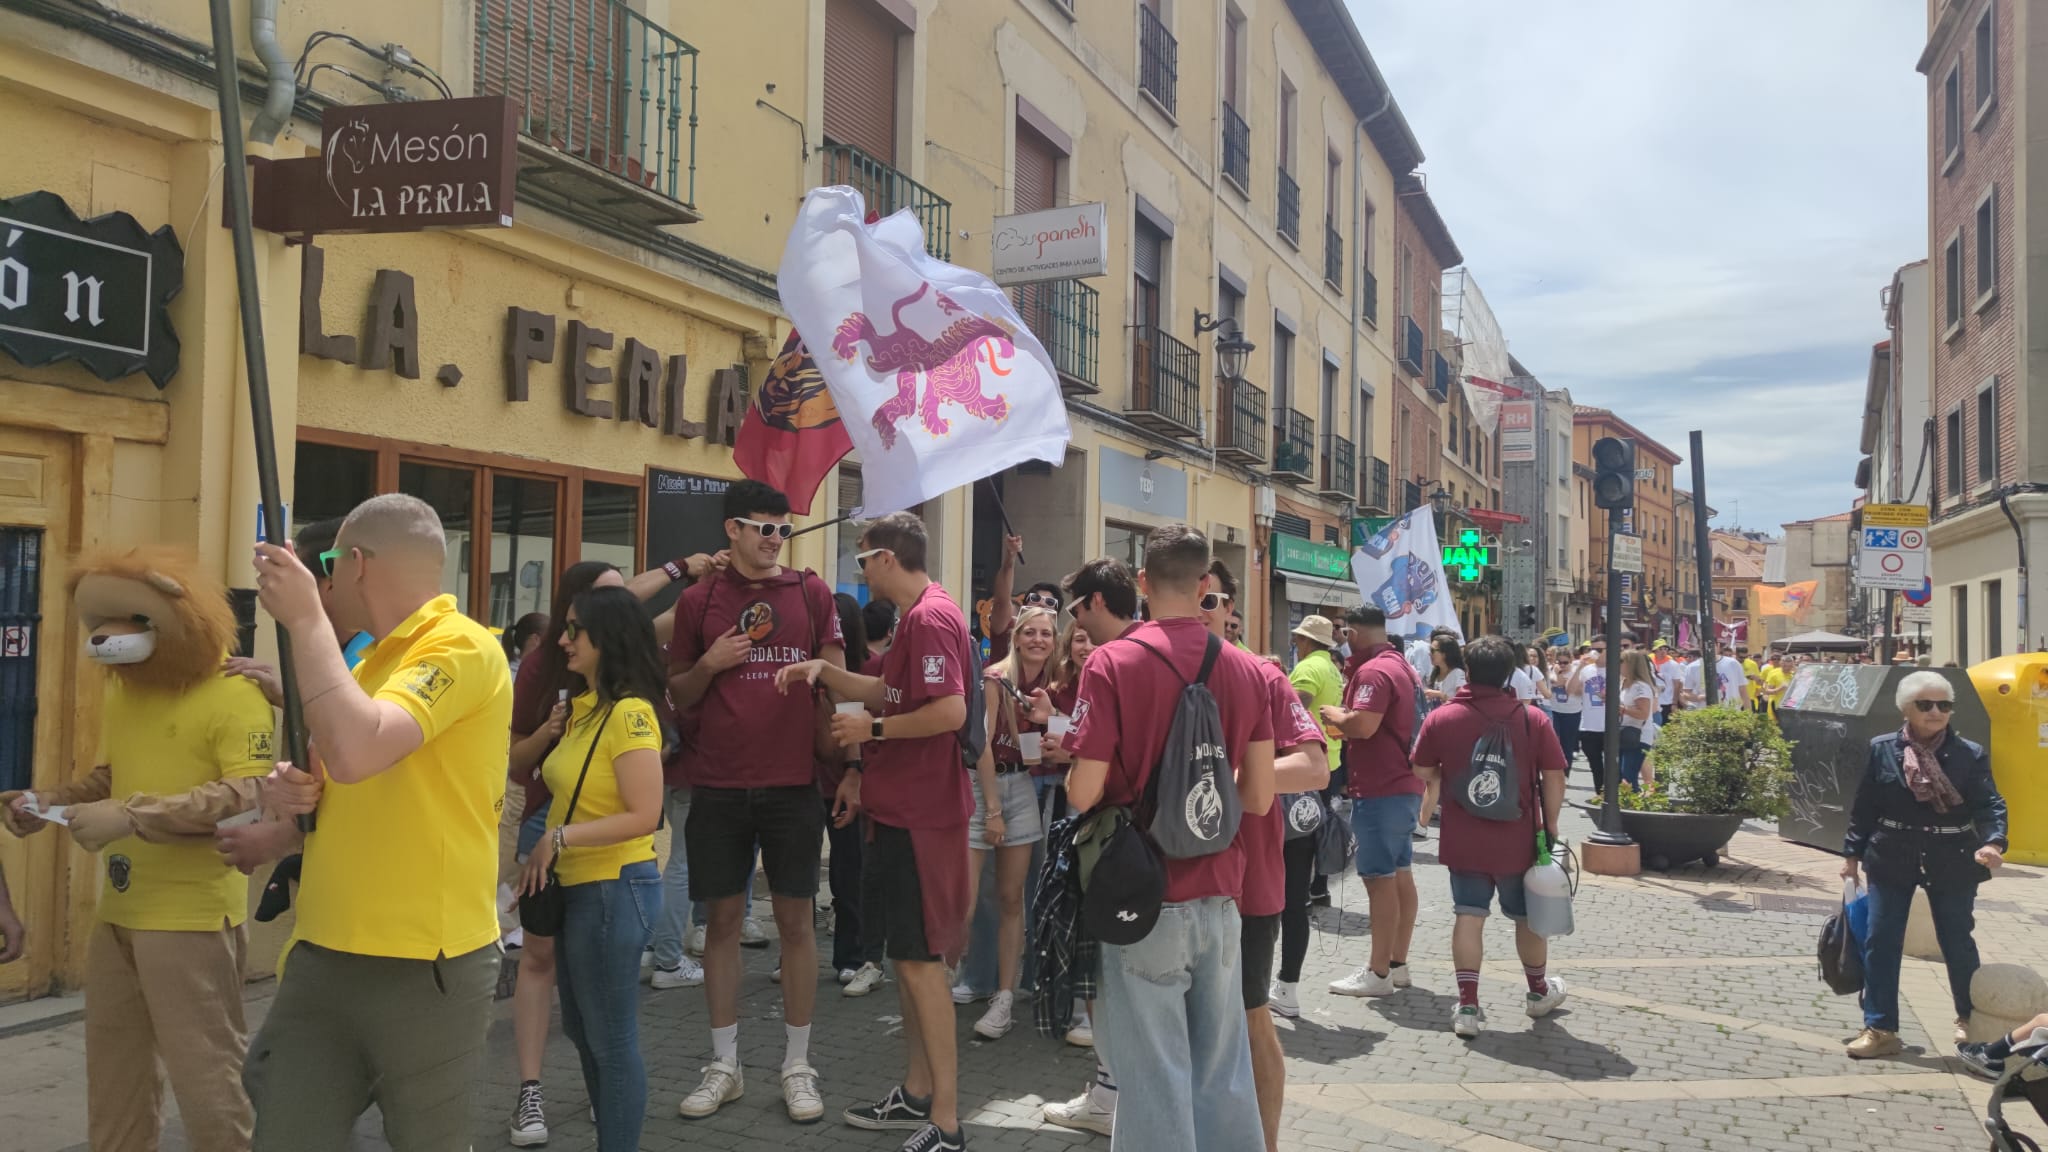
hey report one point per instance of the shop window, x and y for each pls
(611, 523)
(1124, 542)
(330, 481)
(522, 547)
(850, 580)
(451, 492)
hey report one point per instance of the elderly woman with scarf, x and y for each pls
(1927, 815)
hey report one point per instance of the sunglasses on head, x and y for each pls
(1942, 706)
(767, 528)
(860, 559)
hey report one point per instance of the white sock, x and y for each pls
(725, 1043)
(799, 1046)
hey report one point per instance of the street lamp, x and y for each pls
(1231, 347)
(1441, 500)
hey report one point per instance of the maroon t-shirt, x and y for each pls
(1127, 701)
(921, 783)
(1384, 684)
(1265, 870)
(531, 702)
(1469, 844)
(749, 735)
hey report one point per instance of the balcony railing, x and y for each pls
(1063, 315)
(1237, 149)
(1290, 209)
(1408, 345)
(604, 86)
(1369, 304)
(1166, 393)
(1240, 422)
(1439, 376)
(1340, 467)
(1158, 59)
(887, 191)
(1333, 255)
(1411, 498)
(1294, 446)
(1373, 494)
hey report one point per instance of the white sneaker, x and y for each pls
(686, 974)
(722, 1085)
(696, 945)
(800, 1095)
(1083, 1114)
(751, 935)
(864, 981)
(997, 1021)
(1541, 1006)
(962, 994)
(529, 1122)
(1082, 1033)
(646, 958)
(515, 939)
(846, 975)
(1283, 1000)
(1364, 982)
(1468, 1022)
(775, 977)
(1398, 973)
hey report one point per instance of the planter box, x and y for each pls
(1671, 839)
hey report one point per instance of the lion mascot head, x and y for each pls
(152, 616)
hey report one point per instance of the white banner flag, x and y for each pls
(935, 375)
(1400, 570)
(1485, 350)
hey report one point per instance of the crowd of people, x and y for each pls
(1143, 805)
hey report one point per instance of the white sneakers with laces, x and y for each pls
(998, 1020)
(686, 974)
(1084, 1113)
(723, 1084)
(1468, 1022)
(751, 935)
(1284, 1000)
(800, 1094)
(1541, 1006)
(864, 981)
(529, 1122)
(1364, 982)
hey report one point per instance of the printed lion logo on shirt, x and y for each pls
(260, 746)
(934, 669)
(427, 681)
(1364, 697)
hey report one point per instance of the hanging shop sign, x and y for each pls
(96, 291)
(1469, 556)
(1293, 554)
(1054, 244)
(1518, 432)
(403, 167)
(639, 385)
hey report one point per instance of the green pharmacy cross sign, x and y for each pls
(1469, 556)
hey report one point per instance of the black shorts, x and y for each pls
(727, 824)
(892, 897)
(1255, 957)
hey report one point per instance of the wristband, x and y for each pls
(561, 838)
(674, 570)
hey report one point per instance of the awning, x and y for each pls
(1320, 591)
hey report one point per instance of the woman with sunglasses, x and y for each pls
(1927, 815)
(605, 773)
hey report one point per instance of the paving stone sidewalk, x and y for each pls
(1697, 1021)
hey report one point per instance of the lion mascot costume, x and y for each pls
(182, 748)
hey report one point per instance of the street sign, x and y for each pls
(1646, 474)
(1518, 432)
(1628, 553)
(1916, 614)
(1893, 552)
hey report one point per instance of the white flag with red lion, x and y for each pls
(936, 377)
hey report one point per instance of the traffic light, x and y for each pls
(1528, 616)
(1614, 473)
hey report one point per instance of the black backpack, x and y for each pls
(1196, 811)
(1490, 783)
(1304, 812)
(974, 733)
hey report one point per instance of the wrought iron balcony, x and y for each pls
(1340, 467)
(1063, 315)
(1237, 149)
(887, 191)
(1290, 209)
(1240, 422)
(1333, 255)
(1158, 59)
(1294, 446)
(607, 102)
(1372, 492)
(1439, 376)
(1408, 345)
(1166, 393)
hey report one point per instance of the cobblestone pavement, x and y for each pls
(1696, 1022)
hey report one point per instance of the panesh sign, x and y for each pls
(397, 168)
(1054, 244)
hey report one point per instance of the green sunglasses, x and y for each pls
(327, 560)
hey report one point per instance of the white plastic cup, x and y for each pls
(1029, 744)
(851, 708)
(1059, 725)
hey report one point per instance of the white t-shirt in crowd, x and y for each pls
(1566, 698)
(1730, 673)
(1594, 718)
(1524, 684)
(1417, 653)
(1449, 685)
(1635, 692)
(1668, 674)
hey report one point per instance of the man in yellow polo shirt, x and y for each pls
(389, 990)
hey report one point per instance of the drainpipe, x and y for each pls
(1360, 241)
(2020, 538)
(277, 102)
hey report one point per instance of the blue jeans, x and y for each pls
(1170, 1024)
(1566, 725)
(674, 922)
(1953, 904)
(1632, 767)
(605, 926)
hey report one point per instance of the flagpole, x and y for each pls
(1002, 514)
(850, 514)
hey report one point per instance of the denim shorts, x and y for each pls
(1472, 894)
(530, 832)
(1385, 828)
(1021, 815)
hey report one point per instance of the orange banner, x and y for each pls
(1791, 600)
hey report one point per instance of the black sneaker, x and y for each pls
(1978, 1059)
(529, 1123)
(893, 1111)
(930, 1139)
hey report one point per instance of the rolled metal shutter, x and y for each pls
(1038, 165)
(860, 77)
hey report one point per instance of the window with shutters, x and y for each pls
(1037, 177)
(860, 77)
(848, 573)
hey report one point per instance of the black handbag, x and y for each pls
(541, 913)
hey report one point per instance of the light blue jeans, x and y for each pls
(1170, 1025)
(597, 969)
(674, 923)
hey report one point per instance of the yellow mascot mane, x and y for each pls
(165, 586)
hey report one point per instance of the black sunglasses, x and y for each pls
(1942, 706)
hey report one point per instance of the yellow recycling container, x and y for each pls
(2014, 690)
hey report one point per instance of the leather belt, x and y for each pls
(1930, 829)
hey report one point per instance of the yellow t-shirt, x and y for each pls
(632, 725)
(405, 864)
(161, 744)
(1318, 675)
(1774, 686)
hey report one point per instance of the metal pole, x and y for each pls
(2019, 538)
(1703, 543)
(1891, 646)
(1610, 783)
(235, 179)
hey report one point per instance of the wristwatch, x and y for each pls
(561, 842)
(875, 729)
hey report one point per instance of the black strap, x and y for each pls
(570, 815)
(1212, 650)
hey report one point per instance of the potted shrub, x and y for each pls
(1715, 768)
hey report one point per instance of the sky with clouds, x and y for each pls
(1682, 210)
